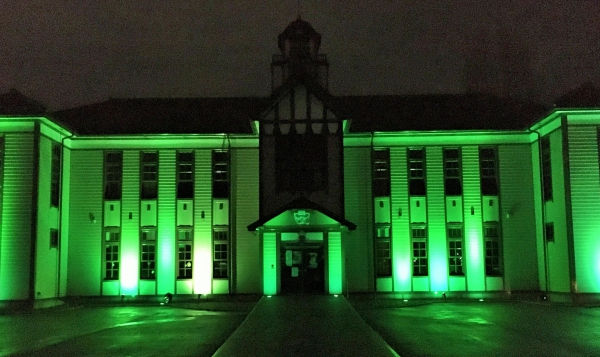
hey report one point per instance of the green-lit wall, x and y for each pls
(165, 265)
(474, 243)
(46, 258)
(436, 224)
(15, 238)
(400, 217)
(358, 244)
(130, 224)
(247, 274)
(557, 257)
(64, 218)
(202, 274)
(85, 223)
(518, 217)
(585, 203)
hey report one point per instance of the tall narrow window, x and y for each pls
(381, 172)
(452, 172)
(113, 175)
(112, 238)
(149, 175)
(220, 254)
(455, 250)
(55, 175)
(549, 231)
(491, 234)
(488, 165)
(383, 251)
(54, 238)
(546, 168)
(148, 254)
(220, 174)
(419, 251)
(185, 174)
(184, 253)
(416, 172)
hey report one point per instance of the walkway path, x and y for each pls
(310, 325)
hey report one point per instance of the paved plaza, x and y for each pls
(304, 326)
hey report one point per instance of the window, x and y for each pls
(185, 174)
(455, 250)
(54, 238)
(546, 168)
(549, 231)
(491, 234)
(416, 172)
(149, 176)
(220, 174)
(113, 174)
(381, 172)
(55, 175)
(111, 254)
(221, 254)
(184, 253)
(488, 166)
(383, 253)
(452, 172)
(419, 251)
(148, 254)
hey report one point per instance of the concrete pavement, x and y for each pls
(304, 325)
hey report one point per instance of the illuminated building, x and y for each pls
(300, 192)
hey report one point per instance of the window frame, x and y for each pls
(546, 162)
(493, 249)
(185, 174)
(456, 245)
(148, 258)
(114, 243)
(453, 185)
(417, 173)
(149, 175)
(381, 172)
(113, 175)
(185, 258)
(420, 262)
(383, 251)
(221, 263)
(221, 173)
(55, 174)
(488, 171)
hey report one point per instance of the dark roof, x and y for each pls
(314, 88)
(585, 96)
(302, 203)
(438, 112)
(15, 103)
(298, 30)
(367, 113)
(165, 115)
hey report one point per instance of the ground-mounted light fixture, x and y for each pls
(167, 299)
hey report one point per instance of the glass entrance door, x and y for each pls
(303, 270)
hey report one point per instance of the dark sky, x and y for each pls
(70, 53)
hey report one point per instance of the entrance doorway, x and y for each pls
(302, 269)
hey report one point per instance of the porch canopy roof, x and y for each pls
(302, 212)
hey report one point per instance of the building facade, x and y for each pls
(299, 193)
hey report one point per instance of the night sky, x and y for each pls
(70, 53)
